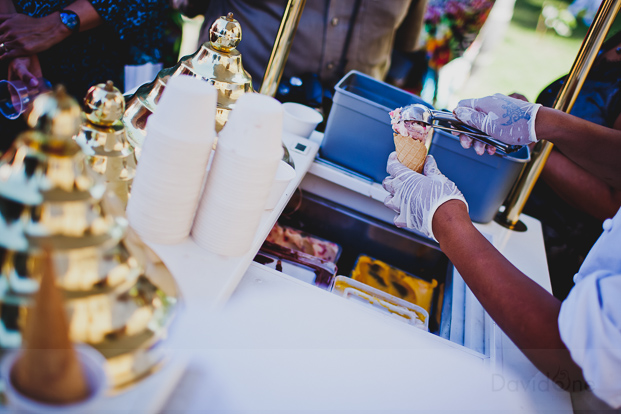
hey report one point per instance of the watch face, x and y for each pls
(70, 19)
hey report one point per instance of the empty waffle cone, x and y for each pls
(410, 152)
(48, 369)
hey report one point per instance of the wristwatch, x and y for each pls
(71, 20)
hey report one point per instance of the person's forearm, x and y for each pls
(7, 7)
(58, 32)
(526, 312)
(595, 148)
(580, 188)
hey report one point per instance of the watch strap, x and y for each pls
(71, 20)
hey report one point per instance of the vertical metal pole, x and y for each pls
(564, 102)
(282, 46)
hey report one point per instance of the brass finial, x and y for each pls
(61, 91)
(104, 104)
(225, 33)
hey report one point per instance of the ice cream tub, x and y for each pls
(485, 180)
(358, 134)
(295, 263)
(301, 241)
(379, 300)
(393, 281)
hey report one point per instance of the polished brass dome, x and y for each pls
(225, 33)
(57, 115)
(104, 104)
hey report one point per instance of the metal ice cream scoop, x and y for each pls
(447, 121)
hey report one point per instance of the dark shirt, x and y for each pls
(320, 38)
(599, 100)
(132, 33)
(570, 233)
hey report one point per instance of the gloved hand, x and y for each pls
(416, 197)
(509, 120)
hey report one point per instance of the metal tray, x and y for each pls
(359, 234)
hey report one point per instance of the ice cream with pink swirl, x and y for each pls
(400, 119)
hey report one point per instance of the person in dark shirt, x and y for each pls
(332, 38)
(570, 202)
(108, 35)
(78, 43)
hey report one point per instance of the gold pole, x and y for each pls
(564, 102)
(282, 46)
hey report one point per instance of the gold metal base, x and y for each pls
(502, 219)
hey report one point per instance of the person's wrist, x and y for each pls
(534, 111)
(70, 19)
(449, 217)
(547, 124)
(58, 30)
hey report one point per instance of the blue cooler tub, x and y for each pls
(359, 137)
(485, 180)
(358, 134)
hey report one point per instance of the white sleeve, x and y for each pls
(590, 327)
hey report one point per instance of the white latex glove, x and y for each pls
(507, 119)
(416, 197)
(479, 147)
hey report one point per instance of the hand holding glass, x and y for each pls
(15, 96)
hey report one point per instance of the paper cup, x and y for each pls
(226, 234)
(300, 120)
(167, 186)
(254, 127)
(187, 109)
(93, 364)
(232, 203)
(284, 175)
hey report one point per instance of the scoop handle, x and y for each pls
(452, 123)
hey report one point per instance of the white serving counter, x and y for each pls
(251, 339)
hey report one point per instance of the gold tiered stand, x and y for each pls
(103, 139)
(119, 298)
(216, 62)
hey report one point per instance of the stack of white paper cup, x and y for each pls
(172, 167)
(247, 156)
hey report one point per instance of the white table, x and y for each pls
(255, 340)
(281, 344)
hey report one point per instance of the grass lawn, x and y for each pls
(526, 60)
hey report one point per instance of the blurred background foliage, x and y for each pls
(539, 46)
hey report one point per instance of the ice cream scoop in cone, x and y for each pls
(48, 369)
(411, 152)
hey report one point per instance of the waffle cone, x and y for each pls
(49, 370)
(410, 152)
